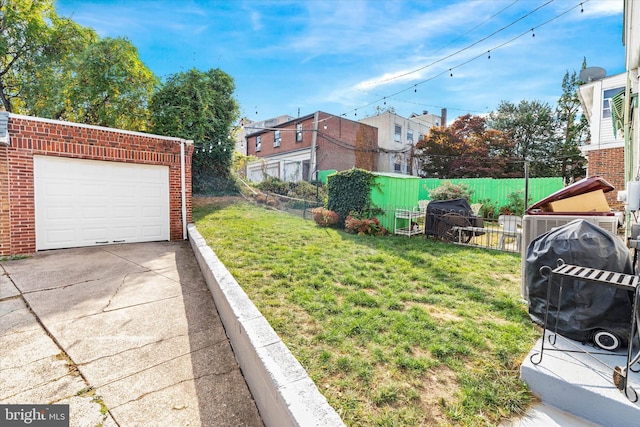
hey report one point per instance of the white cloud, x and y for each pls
(603, 7)
(256, 21)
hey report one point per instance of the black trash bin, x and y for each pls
(588, 311)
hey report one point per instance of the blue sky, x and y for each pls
(349, 57)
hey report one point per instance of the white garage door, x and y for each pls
(89, 202)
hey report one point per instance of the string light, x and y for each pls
(474, 58)
(533, 33)
(581, 8)
(489, 52)
(472, 44)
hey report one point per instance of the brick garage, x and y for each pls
(609, 164)
(28, 138)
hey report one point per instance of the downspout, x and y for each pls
(183, 189)
(628, 149)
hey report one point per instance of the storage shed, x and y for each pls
(66, 185)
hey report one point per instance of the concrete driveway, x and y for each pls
(126, 335)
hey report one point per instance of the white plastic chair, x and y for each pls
(511, 228)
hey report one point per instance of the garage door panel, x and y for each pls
(62, 213)
(85, 202)
(91, 235)
(151, 232)
(125, 212)
(65, 236)
(98, 212)
(125, 233)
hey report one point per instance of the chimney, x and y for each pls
(443, 117)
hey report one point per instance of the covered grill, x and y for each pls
(584, 310)
(445, 218)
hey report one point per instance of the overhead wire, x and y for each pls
(466, 47)
(450, 70)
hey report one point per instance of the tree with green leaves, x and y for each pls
(52, 67)
(111, 86)
(200, 106)
(573, 127)
(27, 40)
(532, 127)
(466, 149)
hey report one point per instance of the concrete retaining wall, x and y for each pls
(281, 388)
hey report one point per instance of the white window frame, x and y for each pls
(258, 143)
(397, 133)
(409, 135)
(276, 138)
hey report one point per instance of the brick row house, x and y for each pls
(295, 150)
(67, 185)
(605, 149)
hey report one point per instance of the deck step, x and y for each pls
(578, 379)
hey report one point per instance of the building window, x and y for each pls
(276, 138)
(298, 132)
(258, 143)
(397, 168)
(606, 101)
(397, 135)
(409, 135)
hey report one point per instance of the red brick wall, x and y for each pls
(341, 143)
(608, 164)
(287, 139)
(5, 228)
(31, 136)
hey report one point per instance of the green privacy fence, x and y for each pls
(403, 192)
(403, 189)
(395, 191)
(496, 189)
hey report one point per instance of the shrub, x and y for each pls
(363, 226)
(350, 191)
(489, 209)
(324, 217)
(515, 205)
(275, 185)
(306, 190)
(448, 190)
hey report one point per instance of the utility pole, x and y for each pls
(312, 157)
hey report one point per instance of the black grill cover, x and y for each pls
(585, 306)
(437, 208)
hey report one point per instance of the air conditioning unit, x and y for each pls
(535, 225)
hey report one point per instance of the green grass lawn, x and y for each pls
(394, 331)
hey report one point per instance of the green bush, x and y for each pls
(515, 205)
(489, 209)
(447, 191)
(308, 191)
(275, 185)
(350, 191)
